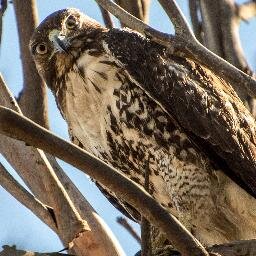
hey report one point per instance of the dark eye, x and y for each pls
(41, 48)
(71, 22)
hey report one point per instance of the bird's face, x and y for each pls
(56, 41)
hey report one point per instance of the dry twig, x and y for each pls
(124, 223)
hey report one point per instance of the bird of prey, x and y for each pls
(131, 103)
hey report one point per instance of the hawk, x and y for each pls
(131, 103)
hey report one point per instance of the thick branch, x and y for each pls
(211, 26)
(23, 196)
(17, 126)
(33, 98)
(194, 8)
(247, 10)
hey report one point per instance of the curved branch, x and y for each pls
(19, 127)
(23, 196)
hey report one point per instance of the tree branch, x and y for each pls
(106, 17)
(12, 251)
(3, 7)
(138, 8)
(185, 45)
(33, 98)
(35, 170)
(19, 127)
(23, 196)
(236, 248)
(179, 21)
(246, 10)
(194, 7)
(124, 223)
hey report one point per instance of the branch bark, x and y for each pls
(124, 223)
(19, 127)
(195, 20)
(106, 17)
(3, 7)
(33, 98)
(138, 8)
(70, 210)
(23, 196)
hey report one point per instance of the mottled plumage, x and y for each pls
(131, 103)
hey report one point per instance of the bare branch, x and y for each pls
(178, 19)
(12, 251)
(123, 15)
(246, 10)
(145, 5)
(35, 170)
(211, 26)
(23, 196)
(33, 98)
(124, 223)
(19, 127)
(3, 7)
(106, 17)
(138, 8)
(196, 23)
(233, 51)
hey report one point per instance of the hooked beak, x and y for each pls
(59, 41)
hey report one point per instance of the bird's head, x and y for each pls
(59, 40)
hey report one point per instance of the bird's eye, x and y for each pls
(71, 22)
(41, 48)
